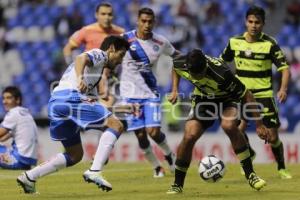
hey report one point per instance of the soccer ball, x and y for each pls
(211, 169)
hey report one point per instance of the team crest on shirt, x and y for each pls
(155, 47)
(133, 47)
(248, 53)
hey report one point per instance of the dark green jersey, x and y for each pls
(218, 82)
(253, 62)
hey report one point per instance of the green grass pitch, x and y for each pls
(134, 181)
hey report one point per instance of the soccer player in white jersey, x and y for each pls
(138, 85)
(72, 106)
(19, 125)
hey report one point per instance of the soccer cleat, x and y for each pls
(256, 182)
(159, 172)
(171, 161)
(175, 189)
(27, 184)
(284, 174)
(98, 179)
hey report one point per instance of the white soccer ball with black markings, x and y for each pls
(211, 169)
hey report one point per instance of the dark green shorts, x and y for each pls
(269, 112)
(208, 110)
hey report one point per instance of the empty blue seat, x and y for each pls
(41, 10)
(45, 21)
(282, 39)
(292, 40)
(55, 11)
(23, 46)
(25, 10)
(27, 56)
(45, 66)
(13, 22)
(42, 54)
(35, 76)
(88, 19)
(287, 30)
(31, 66)
(20, 79)
(28, 21)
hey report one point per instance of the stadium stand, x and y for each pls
(31, 46)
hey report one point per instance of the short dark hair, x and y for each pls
(147, 11)
(257, 11)
(118, 42)
(14, 91)
(196, 61)
(103, 4)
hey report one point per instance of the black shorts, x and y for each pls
(269, 112)
(208, 110)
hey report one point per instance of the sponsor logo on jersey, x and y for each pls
(248, 53)
(155, 47)
(133, 47)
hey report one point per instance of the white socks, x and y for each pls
(54, 164)
(165, 147)
(149, 155)
(106, 143)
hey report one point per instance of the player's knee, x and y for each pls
(273, 138)
(116, 124)
(153, 132)
(73, 155)
(119, 126)
(191, 137)
(229, 127)
(142, 139)
(76, 158)
(141, 135)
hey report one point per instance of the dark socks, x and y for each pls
(278, 153)
(180, 171)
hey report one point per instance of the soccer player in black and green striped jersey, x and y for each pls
(254, 52)
(217, 95)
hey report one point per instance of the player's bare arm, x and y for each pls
(67, 51)
(261, 129)
(103, 87)
(282, 93)
(3, 133)
(81, 61)
(172, 98)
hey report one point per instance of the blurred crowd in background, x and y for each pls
(33, 33)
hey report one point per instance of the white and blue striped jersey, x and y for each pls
(92, 74)
(24, 134)
(137, 79)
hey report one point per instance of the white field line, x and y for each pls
(69, 172)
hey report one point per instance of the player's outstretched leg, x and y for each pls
(106, 143)
(278, 152)
(161, 140)
(28, 179)
(146, 147)
(254, 181)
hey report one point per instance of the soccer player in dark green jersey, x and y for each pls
(217, 91)
(254, 52)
